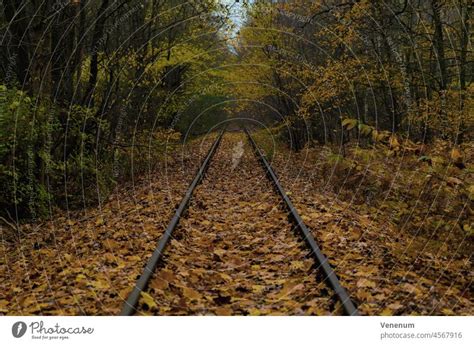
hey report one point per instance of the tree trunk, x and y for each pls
(439, 43)
(63, 58)
(16, 16)
(95, 46)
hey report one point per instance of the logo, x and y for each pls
(19, 329)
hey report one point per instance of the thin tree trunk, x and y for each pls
(16, 16)
(96, 42)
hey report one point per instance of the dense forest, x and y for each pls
(90, 88)
(382, 68)
(364, 108)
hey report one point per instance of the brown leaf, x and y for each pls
(223, 311)
(361, 283)
(191, 293)
(159, 284)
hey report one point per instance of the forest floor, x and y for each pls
(234, 252)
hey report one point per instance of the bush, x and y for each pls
(46, 151)
(52, 156)
(22, 144)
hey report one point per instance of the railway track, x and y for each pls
(232, 244)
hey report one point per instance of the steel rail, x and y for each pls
(129, 307)
(329, 274)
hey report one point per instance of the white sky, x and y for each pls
(237, 13)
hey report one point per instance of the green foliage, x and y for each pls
(22, 142)
(203, 114)
(45, 151)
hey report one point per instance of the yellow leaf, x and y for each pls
(349, 123)
(147, 300)
(123, 294)
(411, 288)
(447, 311)
(257, 288)
(80, 277)
(4, 306)
(297, 265)
(225, 276)
(254, 312)
(100, 284)
(470, 190)
(393, 141)
(219, 252)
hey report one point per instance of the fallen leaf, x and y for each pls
(191, 293)
(159, 284)
(148, 300)
(100, 284)
(297, 265)
(361, 283)
(395, 306)
(219, 252)
(223, 311)
(258, 288)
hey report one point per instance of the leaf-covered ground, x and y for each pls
(234, 253)
(86, 263)
(386, 269)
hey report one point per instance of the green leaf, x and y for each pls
(364, 129)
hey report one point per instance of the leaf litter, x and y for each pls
(235, 252)
(86, 263)
(386, 271)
